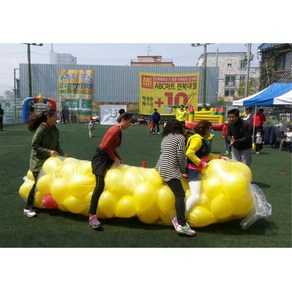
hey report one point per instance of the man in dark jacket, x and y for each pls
(239, 134)
(155, 119)
(1, 118)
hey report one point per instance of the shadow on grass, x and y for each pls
(260, 227)
(133, 222)
(261, 185)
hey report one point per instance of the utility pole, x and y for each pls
(204, 71)
(29, 66)
(248, 68)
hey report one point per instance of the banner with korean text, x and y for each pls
(76, 92)
(167, 91)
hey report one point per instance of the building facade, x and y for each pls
(232, 71)
(151, 61)
(57, 58)
(276, 63)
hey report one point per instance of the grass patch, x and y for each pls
(53, 228)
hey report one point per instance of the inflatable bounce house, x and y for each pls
(212, 115)
(35, 105)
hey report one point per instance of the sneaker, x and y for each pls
(174, 223)
(29, 212)
(158, 133)
(185, 230)
(94, 222)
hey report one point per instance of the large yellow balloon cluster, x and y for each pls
(135, 191)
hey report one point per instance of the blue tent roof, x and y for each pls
(276, 93)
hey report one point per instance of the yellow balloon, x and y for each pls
(51, 165)
(30, 175)
(165, 199)
(221, 207)
(131, 179)
(114, 180)
(153, 177)
(59, 189)
(84, 167)
(212, 186)
(44, 184)
(66, 170)
(144, 196)
(204, 201)
(80, 185)
(242, 206)
(38, 200)
(235, 185)
(107, 203)
(149, 215)
(216, 168)
(200, 217)
(25, 188)
(74, 205)
(126, 207)
(242, 168)
(185, 183)
(165, 218)
(70, 160)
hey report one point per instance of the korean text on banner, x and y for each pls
(167, 91)
(76, 91)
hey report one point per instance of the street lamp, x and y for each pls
(204, 70)
(29, 65)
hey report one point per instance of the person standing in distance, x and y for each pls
(181, 114)
(45, 143)
(239, 135)
(155, 119)
(1, 118)
(104, 157)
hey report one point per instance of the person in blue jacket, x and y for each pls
(155, 118)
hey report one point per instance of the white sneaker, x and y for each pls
(182, 230)
(94, 222)
(29, 212)
(185, 230)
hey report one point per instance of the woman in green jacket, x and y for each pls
(45, 143)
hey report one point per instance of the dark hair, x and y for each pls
(172, 127)
(202, 127)
(34, 122)
(125, 116)
(233, 111)
(121, 111)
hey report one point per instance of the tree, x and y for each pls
(253, 87)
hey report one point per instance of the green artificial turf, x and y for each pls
(53, 228)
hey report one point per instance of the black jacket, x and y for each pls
(241, 131)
